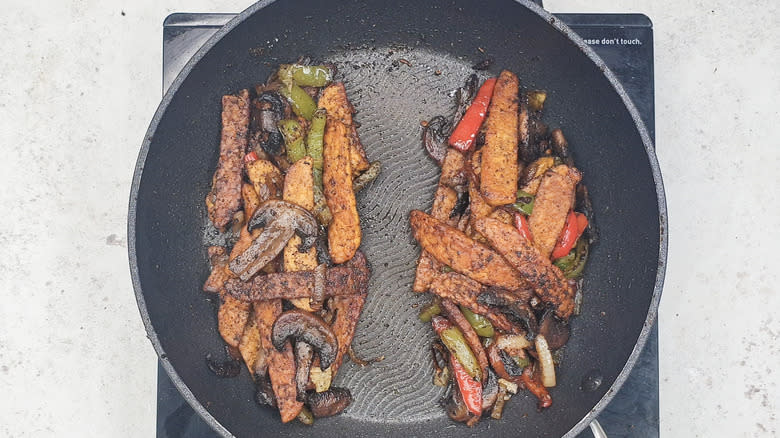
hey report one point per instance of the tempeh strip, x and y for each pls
(281, 364)
(443, 203)
(218, 258)
(335, 102)
(344, 232)
(347, 310)
(224, 199)
(498, 178)
(232, 317)
(546, 279)
(554, 199)
(339, 280)
(299, 189)
(453, 248)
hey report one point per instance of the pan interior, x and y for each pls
(392, 97)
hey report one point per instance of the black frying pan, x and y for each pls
(366, 40)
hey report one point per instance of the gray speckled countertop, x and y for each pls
(81, 80)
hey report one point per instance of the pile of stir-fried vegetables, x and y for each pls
(503, 248)
(291, 280)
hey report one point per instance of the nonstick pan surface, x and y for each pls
(367, 41)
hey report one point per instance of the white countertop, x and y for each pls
(80, 80)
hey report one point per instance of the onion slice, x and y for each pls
(545, 361)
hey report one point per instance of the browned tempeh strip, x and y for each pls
(299, 189)
(498, 178)
(358, 160)
(344, 232)
(250, 344)
(218, 258)
(281, 365)
(224, 199)
(443, 202)
(456, 317)
(452, 169)
(464, 291)
(335, 102)
(453, 248)
(546, 279)
(232, 317)
(339, 280)
(347, 310)
(554, 199)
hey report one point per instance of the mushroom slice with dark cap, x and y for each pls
(281, 221)
(302, 326)
(330, 402)
(303, 356)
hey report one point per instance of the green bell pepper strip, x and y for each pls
(453, 339)
(430, 310)
(573, 263)
(524, 203)
(314, 139)
(481, 325)
(293, 139)
(306, 75)
(582, 258)
(302, 104)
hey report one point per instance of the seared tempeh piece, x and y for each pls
(339, 280)
(232, 317)
(224, 199)
(347, 310)
(299, 189)
(546, 279)
(344, 232)
(443, 202)
(334, 100)
(464, 291)
(281, 365)
(499, 155)
(250, 343)
(453, 248)
(456, 317)
(218, 258)
(554, 199)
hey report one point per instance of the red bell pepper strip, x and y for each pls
(530, 380)
(463, 136)
(250, 157)
(572, 230)
(521, 223)
(470, 389)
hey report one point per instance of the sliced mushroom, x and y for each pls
(281, 220)
(330, 402)
(264, 392)
(302, 326)
(555, 331)
(303, 356)
(229, 368)
(267, 109)
(455, 407)
(435, 135)
(489, 391)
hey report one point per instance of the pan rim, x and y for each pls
(650, 319)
